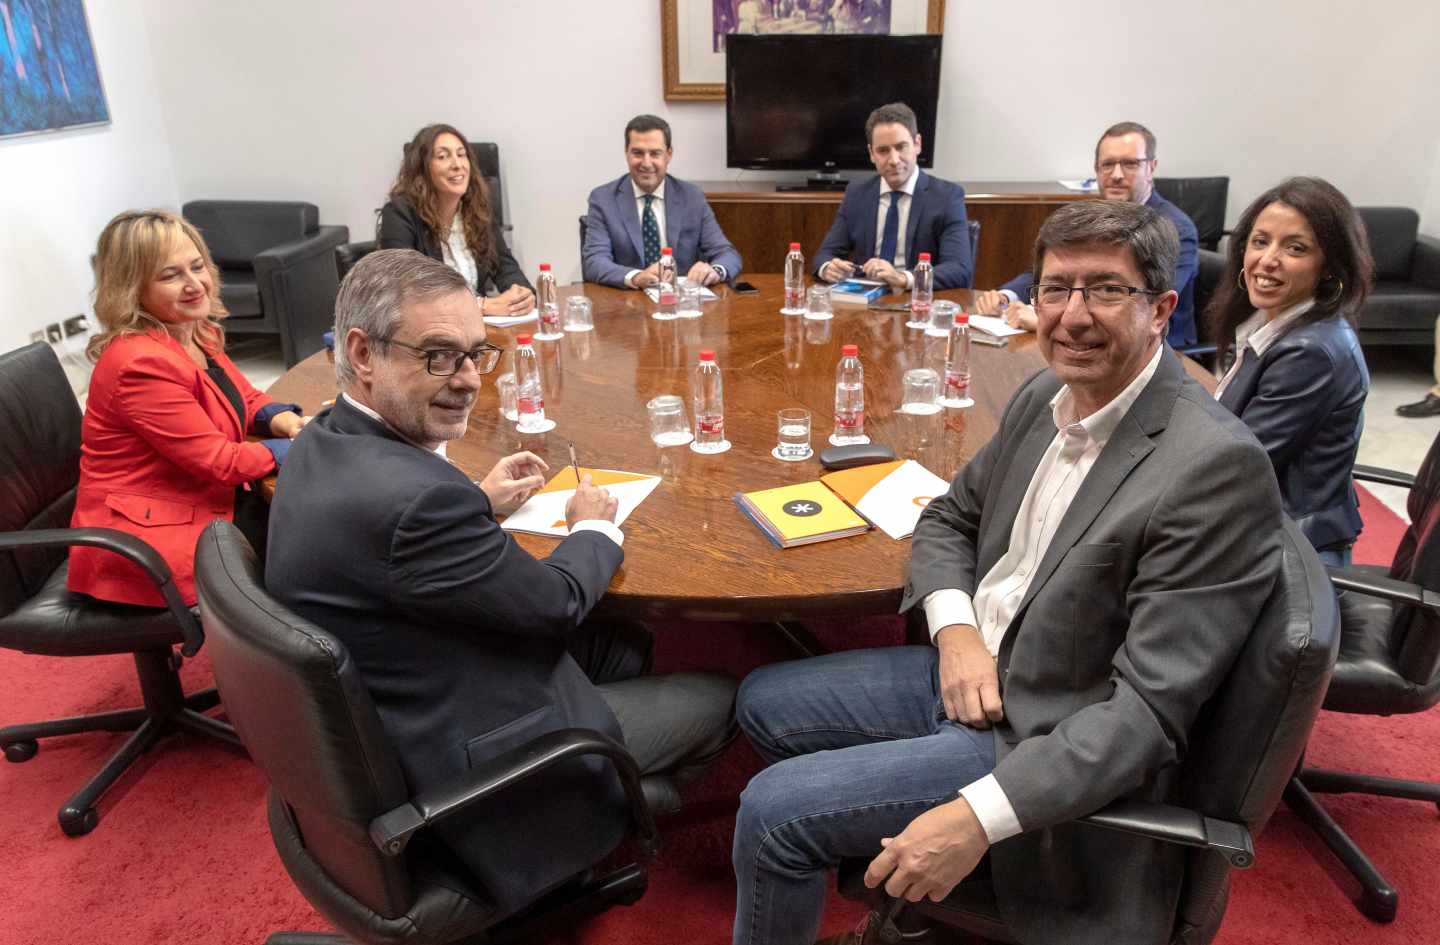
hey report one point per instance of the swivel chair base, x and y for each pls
(166, 710)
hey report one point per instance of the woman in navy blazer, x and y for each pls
(1299, 271)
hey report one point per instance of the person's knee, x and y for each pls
(770, 825)
(756, 700)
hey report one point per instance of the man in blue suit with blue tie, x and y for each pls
(630, 219)
(886, 221)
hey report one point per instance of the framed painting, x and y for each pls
(693, 32)
(48, 76)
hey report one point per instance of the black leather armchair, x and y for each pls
(346, 827)
(277, 268)
(348, 254)
(39, 468)
(1405, 299)
(1203, 199)
(1389, 664)
(1243, 750)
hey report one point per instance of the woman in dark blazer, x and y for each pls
(441, 207)
(163, 448)
(1299, 271)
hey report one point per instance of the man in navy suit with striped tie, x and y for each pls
(886, 221)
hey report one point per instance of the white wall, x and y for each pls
(1430, 213)
(60, 189)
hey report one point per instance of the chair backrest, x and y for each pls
(238, 230)
(348, 254)
(304, 714)
(1393, 232)
(1203, 199)
(974, 245)
(39, 464)
(1415, 632)
(1252, 733)
(1207, 279)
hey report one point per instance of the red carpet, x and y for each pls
(182, 854)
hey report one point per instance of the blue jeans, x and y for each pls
(858, 746)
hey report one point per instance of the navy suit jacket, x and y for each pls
(936, 225)
(1187, 264)
(613, 245)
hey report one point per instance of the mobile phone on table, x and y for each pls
(745, 288)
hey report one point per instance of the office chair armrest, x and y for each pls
(1177, 825)
(392, 831)
(132, 549)
(1386, 588)
(1386, 477)
(1425, 268)
(320, 243)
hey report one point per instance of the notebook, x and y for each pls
(857, 291)
(890, 495)
(544, 512)
(801, 514)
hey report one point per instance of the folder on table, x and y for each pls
(544, 512)
(891, 495)
(801, 514)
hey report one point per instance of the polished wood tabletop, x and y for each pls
(689, 551)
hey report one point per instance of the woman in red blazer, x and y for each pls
(163, 446)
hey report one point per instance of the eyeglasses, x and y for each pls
(443, 362)
(1053, 298)
(1128, 165)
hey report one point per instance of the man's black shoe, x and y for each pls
(1429, 407)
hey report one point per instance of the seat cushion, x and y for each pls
(1392, 232)
(240, 293)
(1366, 677)
(57, 622)
(1400, 305)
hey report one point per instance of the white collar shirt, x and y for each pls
(458, 256)
(1257, 335)
(906, 195)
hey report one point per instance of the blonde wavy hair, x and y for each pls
(133, 248)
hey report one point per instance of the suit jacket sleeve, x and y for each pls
(507, 270)
(450, 558)
(1020, 285)
(1204, 572)
(956, 269)
(1296, 391)
(598, 263)
(837, 243)
(714, 247)
(400, 228)
(1187, 264)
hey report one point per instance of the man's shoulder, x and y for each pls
(342, 445)
(1205, 429)
(940, 185)
(683, 186)
(609, 188)
(1179, 217)
(865, 186)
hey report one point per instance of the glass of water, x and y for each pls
(794, 430)
(578, 314)
(922, 392)
(817, 303)
(668, 424)
(509, 406)
(942, 317)
(689, 306)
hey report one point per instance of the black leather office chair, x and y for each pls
(1207, 277)
(1389, 664)
(1203, 199)
(39, 468)
(348, 254)
(1405, 298)
(277, 268)
(346, 827)
(1243, 749)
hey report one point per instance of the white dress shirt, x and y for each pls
(1256, 334)
(609, 529)
(458, 256)
(1062, 470)
(906, 196)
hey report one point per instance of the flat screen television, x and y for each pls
(800, 102)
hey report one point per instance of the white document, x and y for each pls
(544, 512)
(997, 327)
(890, 495)
(653, 292)
(1086, 186)
(505, 321)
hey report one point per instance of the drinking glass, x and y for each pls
(817, 303)
(668, 424)
(942, 317)
(921, 392)
(794, 433)
(689, 300)
(509, 406)
(579, 316)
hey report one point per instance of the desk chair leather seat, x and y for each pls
(344, 822)
(58, 622)
(1243, 749)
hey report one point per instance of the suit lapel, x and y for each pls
(630, 213)
(866, 249)
(912, 223)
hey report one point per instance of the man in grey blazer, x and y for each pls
(1088, 580)
(632, 218)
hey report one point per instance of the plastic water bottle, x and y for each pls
(708, 398)
(922, 293)
(666, 288)
(849, 399)
(794, 282)
(957, 364)
(529, 395)
(547, 305)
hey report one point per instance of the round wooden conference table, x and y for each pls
(689, 550)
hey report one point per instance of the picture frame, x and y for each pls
(692, 32)
(49, 78)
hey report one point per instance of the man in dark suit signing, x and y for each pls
(1087, 581)
(469, 646)
(886, 221)
(630, 219)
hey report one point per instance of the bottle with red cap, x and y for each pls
(529, 394)
(547, 305)
(922, 293)
(667, 289)
(957, 364)
(849, 399)
(794, 282)
(708, 399)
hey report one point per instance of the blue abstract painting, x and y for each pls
(48, 76)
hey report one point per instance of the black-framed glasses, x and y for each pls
(1128, 165)
(443, 362)
(1053, 297)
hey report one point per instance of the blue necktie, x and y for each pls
(891, 235)
(650, 232)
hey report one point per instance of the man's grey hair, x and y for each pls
(1150, 237)
(375, 291)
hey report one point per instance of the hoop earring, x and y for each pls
(1240, 281)
(1339, 291)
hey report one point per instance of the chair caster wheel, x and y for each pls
(77, 823)
(1379, 905)
(16, 752)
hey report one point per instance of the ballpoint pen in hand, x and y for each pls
(574, 465)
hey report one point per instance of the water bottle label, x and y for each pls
(850, 419)
(957, 383)
(531, 404)
(920, 308)
(711, 425)
(668, 297)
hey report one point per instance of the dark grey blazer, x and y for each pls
(458, 633)
(1136, 612)
(1304, 399)
(402, 228)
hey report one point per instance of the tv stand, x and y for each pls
(821, 181)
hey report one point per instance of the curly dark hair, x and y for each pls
(413, 184)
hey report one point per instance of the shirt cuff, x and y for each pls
(278, 448)
(630, 277)
(609, 529)
(992, 808)
(909, 280)
(1010, 294)
(947, 606)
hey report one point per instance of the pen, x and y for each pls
(574, 465)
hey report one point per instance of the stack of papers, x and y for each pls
(996, 327)
(653, 292)
(505, 321)
(544, 512)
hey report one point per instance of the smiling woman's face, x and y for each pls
(449, 165)
(182, 291)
